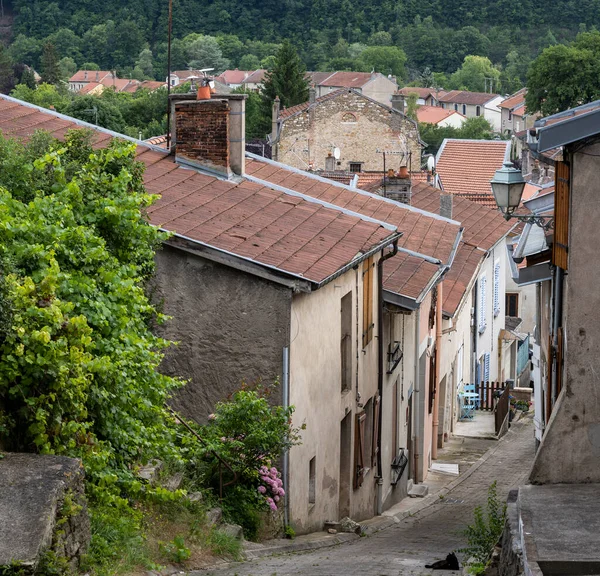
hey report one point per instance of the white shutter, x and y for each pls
(497, 288)
(482, 286)
(486, 367)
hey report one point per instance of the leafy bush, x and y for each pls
(485, 532)
(176, 550)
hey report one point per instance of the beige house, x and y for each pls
(82, 78)
(344, 130)
(474, 105)
(372, 84)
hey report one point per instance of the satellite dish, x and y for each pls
(336, 153)
(430, 163)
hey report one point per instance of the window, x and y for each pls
(478, 111)
(375, 435)
(368, 446)
(349, 118)
(482, 289)
(509, 115)
(486, 367)
(464, 109)
(312, 492)
(512, 305)
(355, 166)
(497, 288)
(456, 107)
(346, 342)
(368, 268)
(432, 389)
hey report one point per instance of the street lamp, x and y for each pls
(507, 186)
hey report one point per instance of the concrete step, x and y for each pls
(417, 490)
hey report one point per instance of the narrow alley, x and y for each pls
(428, 535)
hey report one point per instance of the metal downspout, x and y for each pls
(417, 396)
(286, 403)
(385, 257)
(438, 357)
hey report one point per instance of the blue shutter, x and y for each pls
(497, 288)
(482, 285)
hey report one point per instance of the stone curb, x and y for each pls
(372, 526)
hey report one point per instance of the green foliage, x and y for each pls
(7, 79)
(473, 73)
(45, 95)
(485, 531)
(565, 76)
(176, 550)
(286, 80)
(473, 128)
(224, 545)
(289, 532)
(411, 105)
(243, 505)
(384, 59)
(99, 111)
(78, 366)
(50, 69)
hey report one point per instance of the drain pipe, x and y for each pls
(383, 258)
(438, 357)
(286, 403)
(417, 396)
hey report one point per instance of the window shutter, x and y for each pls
(375, 435)
(497, 288)
(482, 286)
(486, 367)
(359, 449)
(560, 246)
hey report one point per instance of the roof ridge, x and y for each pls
(347, 187)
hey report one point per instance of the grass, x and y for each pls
(155, 535)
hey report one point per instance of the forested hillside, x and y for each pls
(434, 34)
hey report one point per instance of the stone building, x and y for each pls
(345, 130)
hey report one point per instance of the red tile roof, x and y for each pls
(420, 92)
(518, 98)
(465, 167)
(483, 228)
(347, 79)
(233, 76)
(317, 78)
(465, 97)
(89, 87)
(89, 75)
(424, 233)
(294, 234)
(434, 114)
(119, 84)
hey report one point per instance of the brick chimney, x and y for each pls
(85, 74)
(312, 94)
(210, 134)
(397, 186)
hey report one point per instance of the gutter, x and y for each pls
(383, 258)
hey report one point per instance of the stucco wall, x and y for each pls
(315, 390)
(231, 327)
(380, 89)
(355, 125)
(570, 449)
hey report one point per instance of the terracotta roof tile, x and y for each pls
(465, 167)
(517, 99)
(90, 75)
(255, 77)
(420, 92)
(434, 114)
(347, 79)
(233, 76)
(465, 97)
(253, 221)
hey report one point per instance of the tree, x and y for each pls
(50, 69)
(144, 63)
(286, 80)
(411, 105)
(7, 78)
(28, 78)
(473, 128)
(25, 50)
(44, 95)
(204, 52)
(475, 74)
(249, 62)
(67, 67)
(96, 111)
(384, 59)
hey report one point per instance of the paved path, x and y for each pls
(428, 535)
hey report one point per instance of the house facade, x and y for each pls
(440, 116)
(474, 105)
(84, 77)
(344, 130)
(372, 84)
(425, 96)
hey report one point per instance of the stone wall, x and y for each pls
(43, 512)
(354, 124)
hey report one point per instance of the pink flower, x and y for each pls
(212, 417)
(273, 506)
(281, 492)
(273, 470)
(276, 498)
(262, 489)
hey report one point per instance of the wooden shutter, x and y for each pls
(367, 301)
(375, 435)
(560, 247)
(359, 449)
(486, 368)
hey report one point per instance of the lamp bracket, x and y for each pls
(545, 222)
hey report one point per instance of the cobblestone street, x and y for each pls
(419, 539)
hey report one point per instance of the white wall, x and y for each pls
(454, 121)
